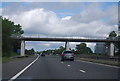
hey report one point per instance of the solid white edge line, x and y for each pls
(98, 64)
(18, 74)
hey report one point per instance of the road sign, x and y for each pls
(18, 50)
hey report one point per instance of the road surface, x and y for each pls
(50, 67)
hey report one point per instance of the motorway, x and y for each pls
(50, 67)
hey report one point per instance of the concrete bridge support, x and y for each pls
(67, 46)
(22, 48)
(112, 49)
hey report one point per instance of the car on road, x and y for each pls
(67, 55)
(42, 54)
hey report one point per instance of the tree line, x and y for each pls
(10, 46)
(80, 49)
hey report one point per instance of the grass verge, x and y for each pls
(114, 63)
(8, 59)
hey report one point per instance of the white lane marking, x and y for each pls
(82, 71)
(18, 74)
(62, 62)
(98, 64)
(68, 65)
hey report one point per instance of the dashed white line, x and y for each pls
(18, 74)
(68, 65)
(82, 71)
(62, 62)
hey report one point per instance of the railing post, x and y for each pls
(22, 48)
(111, 49)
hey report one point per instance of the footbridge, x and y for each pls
(66, 40)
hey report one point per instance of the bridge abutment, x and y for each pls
(22, 48)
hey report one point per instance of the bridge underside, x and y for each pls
(65, 39)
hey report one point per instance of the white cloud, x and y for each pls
(89, 23)
(40, 21)
(37, 20)
(66, 18)
(0, 11)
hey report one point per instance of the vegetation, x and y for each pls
(113, 35)
(55, 51)
(29, 52)
(10, 46)
(80, 49)
(60, 50)
(83, 49)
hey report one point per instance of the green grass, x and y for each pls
(8, 59)
(114, 63)
(12, 58)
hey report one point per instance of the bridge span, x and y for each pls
(66, 40)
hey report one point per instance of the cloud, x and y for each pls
(89, 22)
(66, 18)
(0, 11)
(42, 21)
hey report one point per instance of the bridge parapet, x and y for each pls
(50, 36)
(65, 39)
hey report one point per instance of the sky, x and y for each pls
(62, 19)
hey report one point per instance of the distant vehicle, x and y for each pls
(42, 54)
(67, 55)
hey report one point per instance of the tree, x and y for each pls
(8, 29)
(83, 49)
(55, 51)
(59, 50)
(29, 52)
(113, 34)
